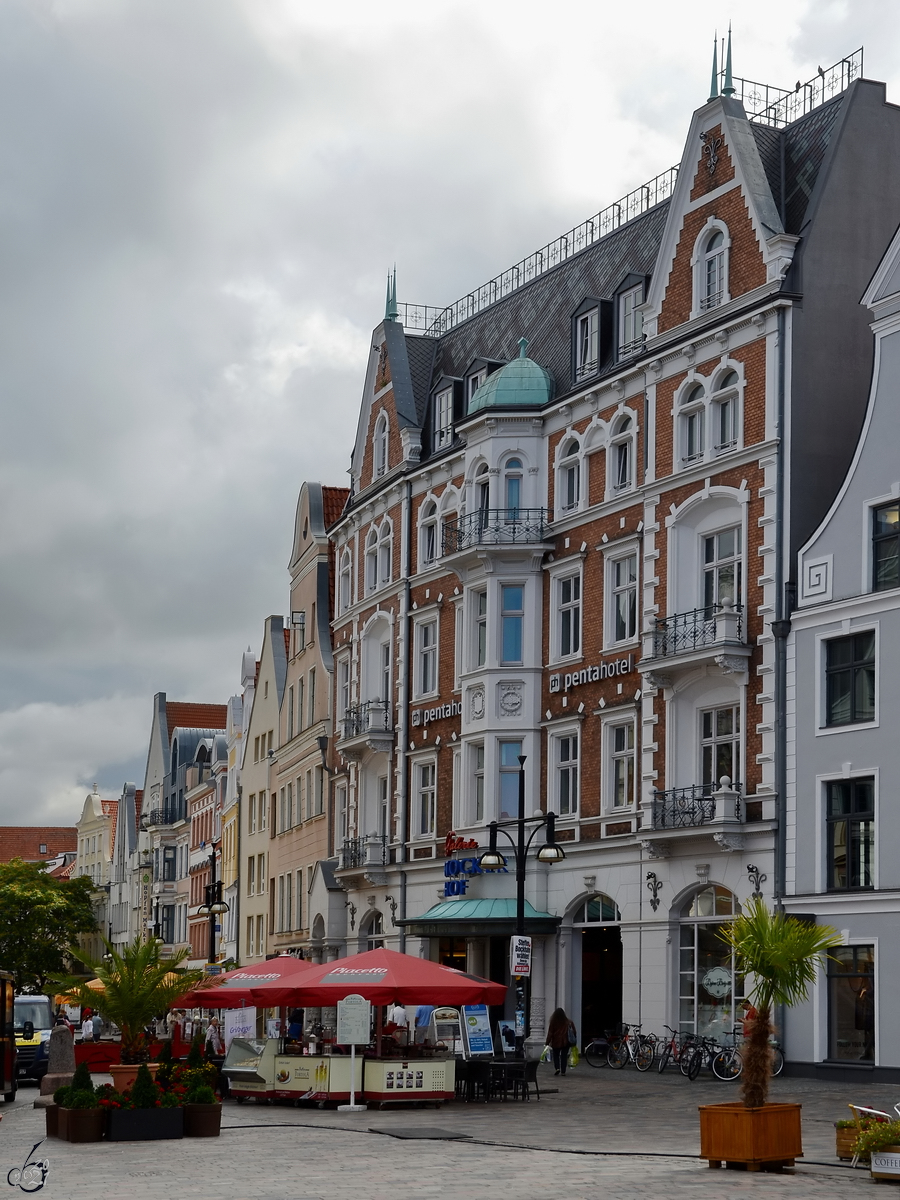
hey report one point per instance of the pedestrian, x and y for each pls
(561, 1036)
(214, 1043)
(87, 1026)
(97, 1022)
(423, 1021)
(398, 1015)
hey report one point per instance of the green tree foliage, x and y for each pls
(40, 921)
(781, 955)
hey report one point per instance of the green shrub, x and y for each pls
(202, 1093)
(144, 1092)
(81, 1098)
(876, 1137)
(195, 1054)
(61, 1095)
(81, 1080)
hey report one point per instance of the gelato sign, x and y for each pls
(604, 670)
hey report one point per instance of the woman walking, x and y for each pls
(561, 1035)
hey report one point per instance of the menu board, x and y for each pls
(476, 1026)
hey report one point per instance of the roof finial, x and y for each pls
(728, 89)
(391, 311)
(387, 299)
(523, 346)
(714, 82)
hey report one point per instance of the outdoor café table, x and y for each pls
(504, 1072)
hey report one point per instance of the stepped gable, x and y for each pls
(25, 841)
(181, 715)
(542, 310)
(334, 500)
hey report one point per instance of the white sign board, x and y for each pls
(476, 1026)
(238, 1023)
(885, 1162)
(354, 1021)
(519, 955)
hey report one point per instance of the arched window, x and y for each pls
(482, 489)
(381, 445)
(344, 581)
(710, 988)
(512, 488)
(374, 934)
(724, 412)
(372, 560)
(692, 419)
(569, 477)
(385, 553)
(428, 534)
(599, 907)
(710, 264)
(621, 455)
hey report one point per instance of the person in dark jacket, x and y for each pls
(561, 1036)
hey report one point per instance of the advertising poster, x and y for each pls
(476, 1026)
(238, 1023)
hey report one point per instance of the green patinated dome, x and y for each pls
(520, 384)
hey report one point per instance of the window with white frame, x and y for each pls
(428, 533)
(724, 413)
(512, 619)
(458, 642)
(482, 489)
(587, 343)
(565, 762)
(509, 771)
(722, 568)
(631, 321)
(384, 820)
(621, 763)
(251, 814)
(479, 623)
(343, 686)
(567, 614)
(720, 744)
(568, 477)
(381, 445)
(477, 752)
(426, 657)
(385, 553)
(344, 581)
(290, 713)
(621, 454)
(372, 560)
(474, 382)
(622, 593)
(263, 811)
(713, 271)
(512, 479)
(384, 657)
(443, 418)
(341, 806)
(298, 922)
(692, 422)
(426, 797)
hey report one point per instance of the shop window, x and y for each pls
(886, 547)
(710, 988)
(851, 1003)
(850, 822)
(452, 952)
(850, 679)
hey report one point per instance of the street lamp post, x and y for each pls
(214, 907)
(550, 852)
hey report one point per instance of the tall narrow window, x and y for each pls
(344, 582)
(427, 672)
(512, 615)
(341, 805)
(569, 477)
(851, 1003)
(569, 615)
(381, 445)
(343, 688)
(693, 420)
(289, 806)
(720, 744)
(426, 778)
(371, 560)
(385, 554)
(622, 455)
(251, 815)
(631, 322)
(586, 344)
(886, 547)
(311, 697)
(483, 493)
(384, 651)
(509, 779)
(384, 824)
(713, 278)
(251, 876)
(722, 569)
(479, 607)
(290, 713)
(428, 533)
(850, 679)
(513, 484)
(263, 811)
(622, 759)
(567, 775)
(478, 788)
(624, 592)
(298, 921)
(850, 822)
(288, 901)
(724, 413)
(443, 418)
(280, 926)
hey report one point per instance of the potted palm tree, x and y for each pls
(780, 954)
(138, 985)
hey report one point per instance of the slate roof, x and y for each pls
(25, 841)
(803, 145)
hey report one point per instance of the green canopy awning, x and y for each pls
(477, 918)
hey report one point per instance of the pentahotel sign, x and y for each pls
(605, 670)
(422, 716)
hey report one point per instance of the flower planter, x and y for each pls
(62, 1123)
(144, 1124)
(844, 1141)
(124, 1074)
(756, 1138)
(84, 1124)
(51, 1115)
(202, 1120)
(885, 1164)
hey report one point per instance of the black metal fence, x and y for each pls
(692, 630)
(497, 527)
(686, 808)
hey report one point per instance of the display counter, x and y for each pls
(321, 1078)
(389, 1080)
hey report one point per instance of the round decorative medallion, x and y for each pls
(477, 704)
(510, 701)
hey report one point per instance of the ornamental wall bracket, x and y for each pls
(731, 664)
(653, 886)
(711, 147)
(349, 904)
(393, 906)
(659, 849)
(756, 879)
(729, 841)
(658, 679)
(376, 878)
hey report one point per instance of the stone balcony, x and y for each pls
(366, 727)
(700, 810)
(684, 639)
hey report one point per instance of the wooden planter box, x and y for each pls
(62, 1123)
(885, 1164)
(51, 1115)
(844, 1141)
(84, 1124)
(202, 1120)
(144, 1124)
(752, 1137)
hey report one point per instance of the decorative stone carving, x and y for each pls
(729, 841)
(731, 664)
(658, 679)
(653, 849)
(510, 699)
(476, 703)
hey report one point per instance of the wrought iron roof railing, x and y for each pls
(778, 107)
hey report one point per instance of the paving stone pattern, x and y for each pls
(610, 1134)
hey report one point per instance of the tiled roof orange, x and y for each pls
(138, 804)
(195, 716)
(333, 501)
(287, 642)
(25, 841)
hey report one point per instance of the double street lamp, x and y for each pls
(214, 907)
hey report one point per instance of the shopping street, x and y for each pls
(601, 1133)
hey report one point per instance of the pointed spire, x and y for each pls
(714, 81)
(728, 89)
(523, 346)
(391, 311)
(387, 300)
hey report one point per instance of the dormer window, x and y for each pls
(587, 344)
(381, 446)
(474, 382)
(443, 418)
(631, 322)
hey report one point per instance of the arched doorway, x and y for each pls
(710, 990)
(594, 923)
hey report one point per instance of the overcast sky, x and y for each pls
(199, 200)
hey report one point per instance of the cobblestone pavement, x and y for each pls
(610, 1134)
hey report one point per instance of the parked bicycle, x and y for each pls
(729, 1063)
(632, 1046)
(673, 1047)
(596, 1050)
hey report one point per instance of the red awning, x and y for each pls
(235, 988)
(381, 976)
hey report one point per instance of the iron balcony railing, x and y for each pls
(370, 851)
(686, 808)
(372, 716)
(497, 527)
(167, 815)
(700, 627)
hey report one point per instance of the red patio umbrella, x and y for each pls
(383, 977)
(236, 987)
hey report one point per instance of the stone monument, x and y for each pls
(61, 1060)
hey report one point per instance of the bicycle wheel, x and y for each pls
(617, 1055)
(777, 1060)
(727, 1065)
(664, 1058)
(595, 1053)
(684, 1058)
(696, 1063)
(645, 1053)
